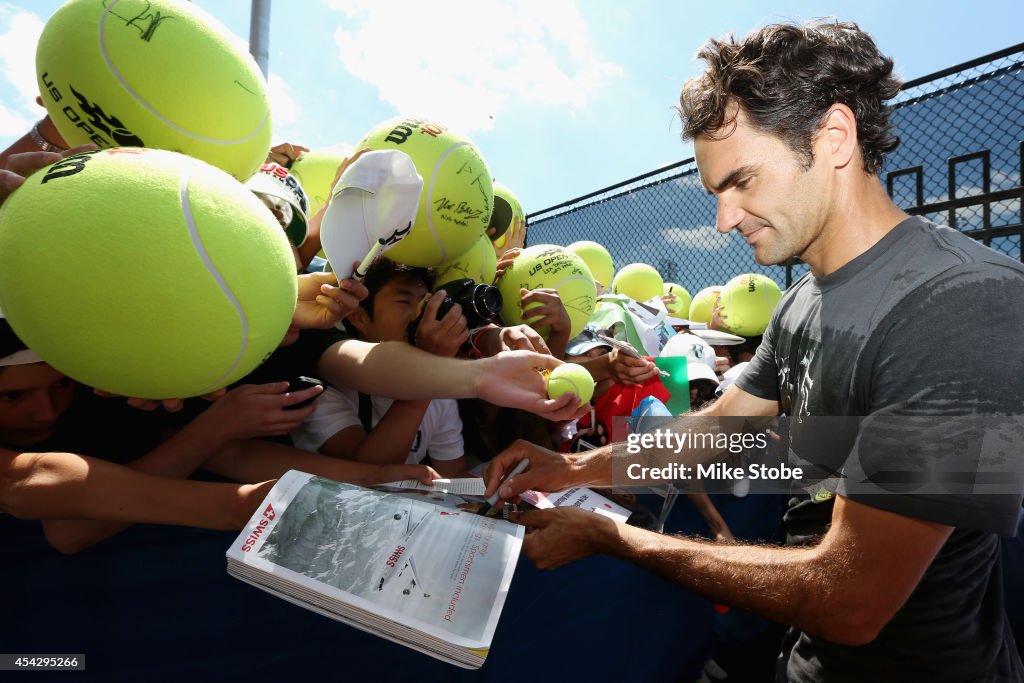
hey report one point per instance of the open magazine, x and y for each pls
(428, 577)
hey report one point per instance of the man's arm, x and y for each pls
(400, 371)
(69, 486)
(257, 460)
(27, 143)
(449, 469)
(108, 497)
(619, 367)
(845, 589)
(247, 411)
(387, 443)
(550, 471)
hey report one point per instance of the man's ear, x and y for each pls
(838, 141)
(360, 319)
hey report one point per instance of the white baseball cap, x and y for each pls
(282, 190)
(376, 198)
(700, 363)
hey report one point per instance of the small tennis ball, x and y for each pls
(571, 377)
(547, 265)
(748, 301)
(638, 281)
(173, 279)
(597, 259)
(508, 222)
(681, 308)
(457, 198)
(154, 73)
(703, 303)
(316, 171)
(478, 264)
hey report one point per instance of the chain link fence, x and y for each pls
(959, 164)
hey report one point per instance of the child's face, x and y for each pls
(396, 305)
(32, 398)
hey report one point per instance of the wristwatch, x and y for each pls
(41, 142)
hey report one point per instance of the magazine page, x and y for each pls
(583, 498)
(439, 570)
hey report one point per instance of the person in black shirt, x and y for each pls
(790, 129)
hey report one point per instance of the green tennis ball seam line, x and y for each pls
(160, 117)
(430, 198)
(218, 278)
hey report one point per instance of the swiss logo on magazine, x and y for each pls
(260, 527)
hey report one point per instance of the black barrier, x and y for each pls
(959, 164)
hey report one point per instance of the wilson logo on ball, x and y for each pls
(67, 167)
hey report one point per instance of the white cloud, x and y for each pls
(284, 108)
(463, 61)
(704, 237)
(13, 124)
(18, 66)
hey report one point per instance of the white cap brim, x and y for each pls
(718, 338)
(695, 369)
(376, 198)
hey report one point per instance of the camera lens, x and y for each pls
(486, 302)
(481, 304)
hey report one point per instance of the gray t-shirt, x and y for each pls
(928, 322)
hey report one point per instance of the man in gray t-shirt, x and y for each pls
(885, 335)
(790, 130)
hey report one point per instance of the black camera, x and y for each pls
(481, 304)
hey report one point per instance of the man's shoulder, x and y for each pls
(933, 270)
(946, 248)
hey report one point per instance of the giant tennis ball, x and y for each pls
(571, 377)
(597, 259)
(681, 308)
(638, 281)
(546, 265)
(154, 73)
(478, 264)
(703, 304)
(748, 302)
(507, 227)
(167, 278)
(316, 171)
(457, 198)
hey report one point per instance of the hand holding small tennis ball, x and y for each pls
(571, 377)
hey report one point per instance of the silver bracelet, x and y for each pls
(41, 142)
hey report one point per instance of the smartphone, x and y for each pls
(300, 383)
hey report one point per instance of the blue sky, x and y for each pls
(562, 96)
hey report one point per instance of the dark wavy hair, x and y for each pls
(785, 77)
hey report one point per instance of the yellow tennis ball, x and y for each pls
(638, 281)
(571, 377)
(703, 303)
(478, 264)
(597, 259)
(547, 265)
(316, 171)
(508, 221)
(154, 73)
(457, 198)
(170, 278)
(681, 307)
(748, 302)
